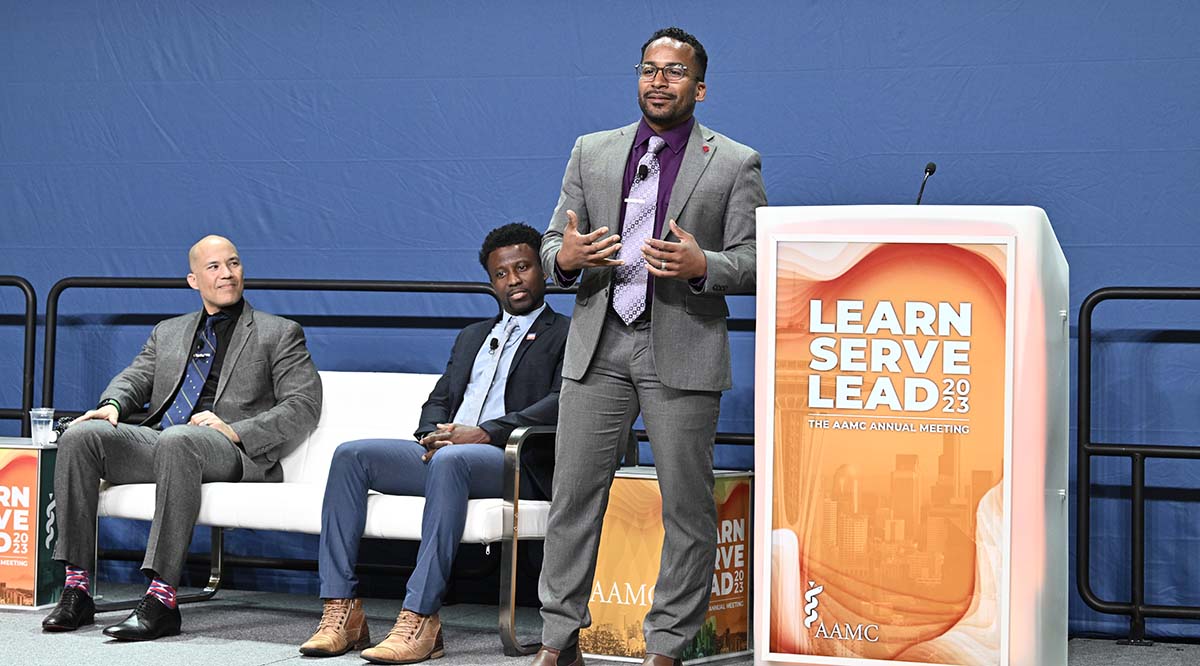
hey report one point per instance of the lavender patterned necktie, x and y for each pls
(629, 287)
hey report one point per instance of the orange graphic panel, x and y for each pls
(888, 456)
(18, 525)
(628, 563)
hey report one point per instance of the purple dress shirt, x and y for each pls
(669, 160)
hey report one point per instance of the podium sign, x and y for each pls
(628, 563)
(28, 576)
(887, 358)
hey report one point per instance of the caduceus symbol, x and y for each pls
(810, 603)
(50, 521)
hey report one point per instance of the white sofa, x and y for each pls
(356, 405)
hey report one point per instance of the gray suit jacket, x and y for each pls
(718, 187)
(269, 391)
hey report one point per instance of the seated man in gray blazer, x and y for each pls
(504, 372)
(228, 388)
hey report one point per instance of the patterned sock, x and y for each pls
(79, 578)
(165, 593)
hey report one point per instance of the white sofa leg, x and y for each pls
(216, 568)
(509, 547)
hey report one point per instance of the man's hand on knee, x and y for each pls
(107, 412)
(210, 420)
(452, 433)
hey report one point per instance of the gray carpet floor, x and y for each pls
(255, 628)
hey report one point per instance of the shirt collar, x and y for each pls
(676, 137)
(524, 321)
(233, 311)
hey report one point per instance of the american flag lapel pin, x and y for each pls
(531, 336)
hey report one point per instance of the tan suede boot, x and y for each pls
(414, 638)
(343, 628)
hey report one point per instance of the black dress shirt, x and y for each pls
(224, 331)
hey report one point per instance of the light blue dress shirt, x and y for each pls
(491, 393)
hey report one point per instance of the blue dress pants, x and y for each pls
(455, 474)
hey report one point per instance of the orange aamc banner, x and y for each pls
(28, 577)
(888, 455)
(628, 563)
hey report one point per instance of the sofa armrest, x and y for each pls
(523, 442)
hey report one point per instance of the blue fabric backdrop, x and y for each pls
(373, 139)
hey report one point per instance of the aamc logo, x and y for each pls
(50, 522)
(834, 631)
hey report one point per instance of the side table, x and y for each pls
(29, 578)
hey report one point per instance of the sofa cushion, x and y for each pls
(296, 507)
(356, 405)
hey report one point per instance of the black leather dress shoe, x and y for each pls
(74, 609)
(548, 656)
(150, 620)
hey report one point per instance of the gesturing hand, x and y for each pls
(580, 251)
(682, 259)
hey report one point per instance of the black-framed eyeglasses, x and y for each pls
(672, 73)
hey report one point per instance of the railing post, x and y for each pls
(1137, 553)
(30, 347)
(1137, 609)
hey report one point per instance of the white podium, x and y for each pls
(911, 407)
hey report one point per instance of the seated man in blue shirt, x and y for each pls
(503, 373)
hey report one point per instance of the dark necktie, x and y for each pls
(199, 365)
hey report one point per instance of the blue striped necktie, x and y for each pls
(199, 364)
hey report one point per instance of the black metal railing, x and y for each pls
(30, 347)
(218, 558)
(1136, 608)
(393, 286)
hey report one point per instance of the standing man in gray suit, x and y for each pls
(648, 335)
(229, 388)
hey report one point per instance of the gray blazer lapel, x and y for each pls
(541, 323)
(173, 358)
(614, 152)
(237, 343)
(695, 161)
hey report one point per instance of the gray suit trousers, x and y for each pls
(177, 460)
(595, 415)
